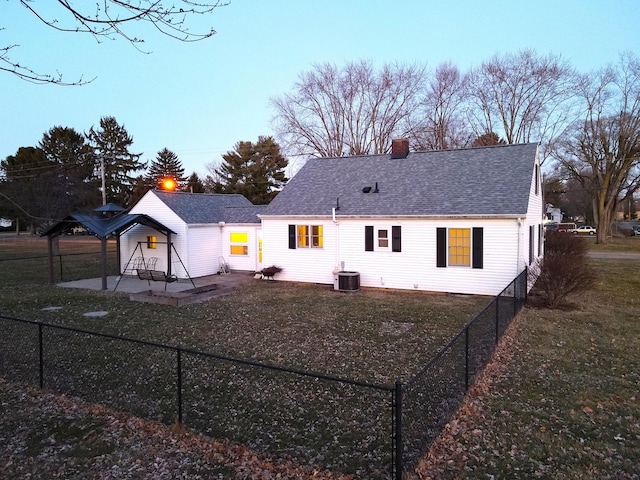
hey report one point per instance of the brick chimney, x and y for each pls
(399, 148)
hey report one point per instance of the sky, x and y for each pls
(200, 99)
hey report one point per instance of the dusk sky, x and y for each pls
(199, 99)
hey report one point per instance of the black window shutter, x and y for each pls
(292, 236)
(396, 239)
(441, 247)
(368, 238)
(477, 260)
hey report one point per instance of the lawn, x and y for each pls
(373, 336)
(560, 401)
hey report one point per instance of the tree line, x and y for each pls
(586, 124)
(69, 172)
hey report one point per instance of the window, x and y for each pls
(239, 243)
(151, 242)
(305, 236)
(460, 247)
(384, 237)
(539, 239)
(316, 236)
(531, 241)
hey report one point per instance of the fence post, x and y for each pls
(497, 318)
(179, 372)
(518, 291)
(466, 358)
(398, 430)
(41, 355)
(61, 275)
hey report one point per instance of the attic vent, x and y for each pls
(399, 148)
(366, 189)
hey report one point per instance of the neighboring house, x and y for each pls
(208, 228)
(460, 221)
(553, 214)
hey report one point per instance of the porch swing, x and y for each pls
(145, 270)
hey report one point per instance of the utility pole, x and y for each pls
(104, 187)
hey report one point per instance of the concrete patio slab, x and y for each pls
(130, 284)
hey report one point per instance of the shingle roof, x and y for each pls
(104, 226)
(243, 214)
(491, 181)
(202, 208)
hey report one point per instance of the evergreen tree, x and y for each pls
(114, 161)
(140, 187)
(74, 178)
(166, 165)
(194, 184)
(28, 191)
(253, 170)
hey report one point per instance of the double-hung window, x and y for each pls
(383, 238)
(461, 247)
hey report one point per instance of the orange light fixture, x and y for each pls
(168, 184)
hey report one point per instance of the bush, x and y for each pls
(563, 270)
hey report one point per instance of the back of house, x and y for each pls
(459, 221)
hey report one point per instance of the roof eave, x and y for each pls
(422, 217)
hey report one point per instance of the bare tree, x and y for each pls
(602, 151)
(440, 122)
(354, 110)
(522, 97)
(109, 19)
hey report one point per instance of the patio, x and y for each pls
(132, 284)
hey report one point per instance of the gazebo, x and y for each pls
(107, 221)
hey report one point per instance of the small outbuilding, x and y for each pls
(209, 231)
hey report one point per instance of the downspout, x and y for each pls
(169, 253)
(337, 229)
(519, 246)
(221, 225)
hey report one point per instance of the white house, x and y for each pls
(460, 221)
(553, 214)
(208, 229)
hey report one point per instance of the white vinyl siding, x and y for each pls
(246, 263)
(414, 268)
(200, 247)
